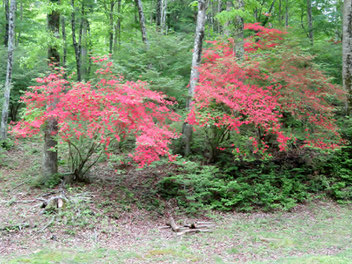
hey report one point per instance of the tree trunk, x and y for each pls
(219, 11)
(196, 58)
(239, 36)
(117, 40)
(142, 22)
(266, 20)
(64, 38)
(280, 13)
(10, 48)
(347, 52)
(84, 46)
(76, 44)
(286, 14)
(163, 16)
(6, 36)
(51, 129)
(310, 21)
(227, 31)
(21, 19)
(111, 29)
(158, 14)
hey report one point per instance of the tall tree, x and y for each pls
(10, 48)
(196, 57)
(266, 20)
(117, 40)
(310, 21)
(163, 16)
(228, 22)
(111, 23)
(6, 36)
(347, 52)
(64, 38)
(158, 14)
(239, 43)
(286, 14)
(77, 44)
(142, 22)
(51, 128)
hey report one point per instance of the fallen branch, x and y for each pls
(193, 227)
(193, 231)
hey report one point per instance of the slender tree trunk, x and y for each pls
(119, 22)
(76, 44)
(347, 53)
(117, 39)
(163, 16)
(10, 48)
(51, 129)
(142, 22)
(6, 36)
(310, 21)
(280, 13)
(64, 38)
(21, 19)
(158, 14)
(111, 29)
(196, 58)
(227, 31)
(266, 20)
(286, 14)
(239, 36)
(219, 11)
(84, 45)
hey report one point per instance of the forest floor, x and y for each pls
(107, 222)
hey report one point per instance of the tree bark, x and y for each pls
(196, 58)
(51, 129)
(158, 14)
(84, 47)
(266, 20)
(310, 21)
(10, 48)
(163, 16)
(280, 13)
(142, 22)
(6, 36)
(76, 44)
(21, 19)
(227, 31)
(347, 53)
(239, 35)
(219, 11)
(117, 40)
(64, 38)
(111, 21)
(286, 14)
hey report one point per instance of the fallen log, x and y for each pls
(193, 227)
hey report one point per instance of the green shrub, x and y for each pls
(197, 188)
(337, 169)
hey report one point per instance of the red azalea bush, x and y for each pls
(110, 110)
(272, 99)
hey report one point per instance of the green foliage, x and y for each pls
(165, 65)
(265, 187)
(23, 77)
(337, 171)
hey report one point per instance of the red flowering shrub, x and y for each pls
(271, 98)
(101, 113)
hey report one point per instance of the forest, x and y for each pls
(173, 131)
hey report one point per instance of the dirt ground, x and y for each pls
(105, 222)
